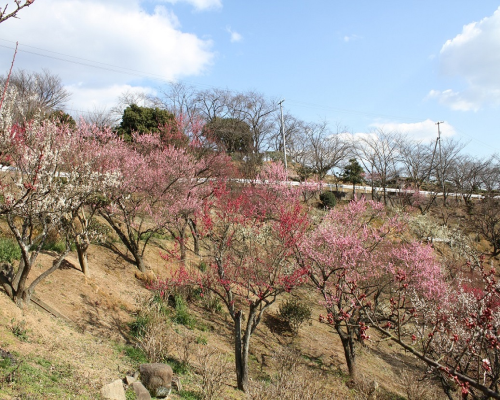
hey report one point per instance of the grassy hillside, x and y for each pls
(108, 323)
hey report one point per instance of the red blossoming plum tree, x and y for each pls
(250, 235)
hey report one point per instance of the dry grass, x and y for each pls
(101, 308)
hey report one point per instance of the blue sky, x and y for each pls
(393, 65)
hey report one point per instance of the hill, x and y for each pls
(91, 343)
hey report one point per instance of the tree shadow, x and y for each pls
(118, 252)
(68, 265)
(276, 325)
(101, 320)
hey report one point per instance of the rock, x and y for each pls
(140, 391)
(372, 390)
(176, 382)
(129, 380)
(157, 378)
(146, 277)
(113, 391)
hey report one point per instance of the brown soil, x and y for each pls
(98, 311)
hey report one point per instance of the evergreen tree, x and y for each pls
(353, 172)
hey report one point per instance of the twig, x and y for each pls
(8, 77)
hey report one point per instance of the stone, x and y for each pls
(130, 379)
(140, 391)
(147, 277)
(176, 382)
(113, 391)
(157, 378)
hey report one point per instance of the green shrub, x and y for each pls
(182, 315)
(57, 246)
(202, 266)
(328, 199)
(295, 313)
(139, 325)
(190, 395)
(201, 340)
(136, 354)
(212, 303)
(178, 367)
(9, 250)
(19, 329)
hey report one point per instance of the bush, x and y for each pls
(139, 326)
(215, 371)
(19, 329)
(9, 250)
(212, 303)
(59, 247)
(182, 315)
(294, 313)
(328, 199)
(136, 354)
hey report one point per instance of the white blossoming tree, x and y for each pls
(54, 171)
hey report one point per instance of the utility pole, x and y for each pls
(440, 159)
(283, 134)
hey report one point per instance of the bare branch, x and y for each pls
(19, 6)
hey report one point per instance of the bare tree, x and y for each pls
(6, 13)
(466, 176)
(40, 93)
(490, 177)
(258, 113)
(328, 149)
(100, 117)
(446, 155)
(128, 98)
(179, 99)
(379, 154)
(485, 220)
(214, 103)
(293, 129)
(318, 150)
(251, 108)
(415, 158)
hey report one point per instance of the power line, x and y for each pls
(133, 72)
(78, 58)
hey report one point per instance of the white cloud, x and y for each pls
(455, 100)
(115, 33)
(357, 136)
(425, 131)
(350, 38)
(474, 56)
(199, 4)
(88, 98)
(235, 36)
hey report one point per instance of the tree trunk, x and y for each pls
(139, 260)
(81, 249)
(182, 243)
(196, 239)
(240, 367)
(129, 242)
(349, 351)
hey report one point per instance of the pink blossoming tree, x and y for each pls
(249, 235)
(353, 258)
(457, 333)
